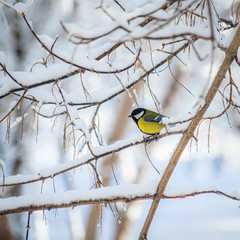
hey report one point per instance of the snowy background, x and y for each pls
(36, 146)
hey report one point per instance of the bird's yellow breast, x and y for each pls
(150, 127)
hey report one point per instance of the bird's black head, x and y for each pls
(137, 113)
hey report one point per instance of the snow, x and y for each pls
(19, 120)
(2, 163)
(3, 58)
(23, 7)
(68, 100)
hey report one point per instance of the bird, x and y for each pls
(148, 122)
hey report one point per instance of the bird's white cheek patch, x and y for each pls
(137, 116)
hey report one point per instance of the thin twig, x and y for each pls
(11, 76)
(28, 225)
(3, 177)
(149, 159)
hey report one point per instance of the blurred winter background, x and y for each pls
(211, 162)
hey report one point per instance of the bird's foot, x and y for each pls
(151, 138)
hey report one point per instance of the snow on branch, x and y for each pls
(34, 80)
(20, 8)
(105, 195)
(98, 152)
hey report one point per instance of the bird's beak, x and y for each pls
(130, 116)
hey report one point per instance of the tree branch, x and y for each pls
(50, 51)
(51, 173)
(125, 193)
(230, 54)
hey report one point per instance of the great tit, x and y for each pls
(148, 122)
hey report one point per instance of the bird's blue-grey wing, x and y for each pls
(157, 118)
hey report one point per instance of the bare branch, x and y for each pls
(10, 75)
(28, 225)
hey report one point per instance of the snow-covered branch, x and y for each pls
(105, 195)
(99, 152)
